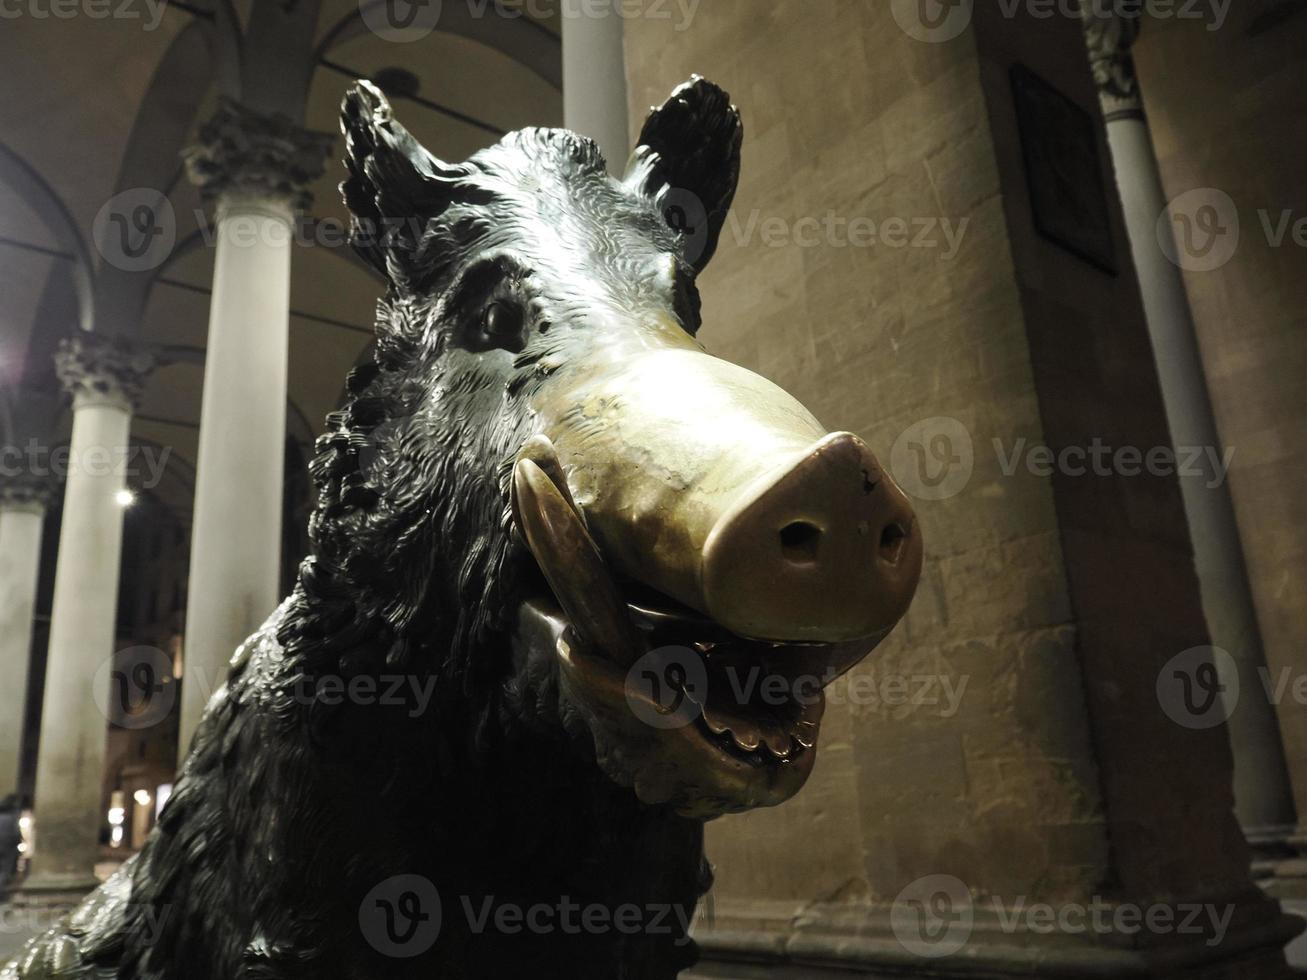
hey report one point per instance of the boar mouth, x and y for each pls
(758, 700)
(748, 709)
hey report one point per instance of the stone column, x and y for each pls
(23, 501)
(594, 81)
(105, 378)
(1263, 797)
(254, 168)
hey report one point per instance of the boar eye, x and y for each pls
(500, 327)
(502, 321)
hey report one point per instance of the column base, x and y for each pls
(1287, 878)
(1271, 847)
(802, 941)
(46, 890)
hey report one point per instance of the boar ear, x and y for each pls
(394, 187)
(688, 161)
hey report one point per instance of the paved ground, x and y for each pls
(1296, 951)
(17, 925)
(12, 934)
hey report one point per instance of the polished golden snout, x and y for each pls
(827, 549)
(701, 480)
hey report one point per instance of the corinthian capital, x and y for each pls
(24, 490)
(102, 370)
(1111, 28)
(250, 154)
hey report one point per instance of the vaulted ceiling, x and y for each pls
(98, 107)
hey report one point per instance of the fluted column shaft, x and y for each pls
(594, 83)
(1263, 798)
(253, 167)
(104, 379)
(23, 501)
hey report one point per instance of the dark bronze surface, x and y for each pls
(542, 485)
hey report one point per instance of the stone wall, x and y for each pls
(1044, 771)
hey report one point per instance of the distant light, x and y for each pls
(22, 847)
(25, 822)
(116, 836)
(116, 815)
(142, 797)
(124, 498)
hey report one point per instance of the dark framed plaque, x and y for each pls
(1059, 141)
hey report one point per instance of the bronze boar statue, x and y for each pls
(556, 532)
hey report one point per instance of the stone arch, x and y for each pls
(519, 38)
(54, 214)
(163, 123)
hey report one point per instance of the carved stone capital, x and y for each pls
(248, 154)
(103, 370)
(1111, 28)
(26, 491)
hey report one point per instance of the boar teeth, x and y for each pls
(750, 735)
(749, 739)
(778, 743)
(805, 733)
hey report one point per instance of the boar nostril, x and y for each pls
(893, 539)
(799, 542)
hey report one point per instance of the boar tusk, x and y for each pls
(540, 450)
(572, 565)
